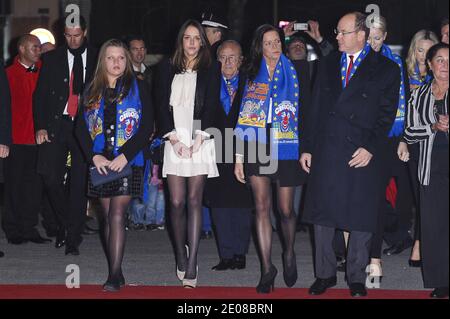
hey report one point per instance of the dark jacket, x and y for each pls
(226, 191)
(5, 108)
(339, 122)
(206, 96)
(52, 91)
(135, 144)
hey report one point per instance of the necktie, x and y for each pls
(32, 69)
(349, 71)
(72, 107)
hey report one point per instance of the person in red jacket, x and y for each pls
(22, 183)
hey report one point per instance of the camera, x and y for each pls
(301, 27)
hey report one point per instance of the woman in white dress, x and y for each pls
(187, 93)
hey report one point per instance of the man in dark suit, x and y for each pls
(5, 121)
(64, 74)
(354, 106)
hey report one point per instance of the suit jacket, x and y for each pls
(339, 122)
(226, 191)
(52, 91)
(206, 96)
(5, 108)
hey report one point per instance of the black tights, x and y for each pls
(262, 192)
(177, 188)
(114, 210)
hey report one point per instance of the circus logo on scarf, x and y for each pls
(253, 115)
(128, 123)
(286, 112)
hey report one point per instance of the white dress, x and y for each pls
(203, 162)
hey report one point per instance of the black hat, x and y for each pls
(212, 20)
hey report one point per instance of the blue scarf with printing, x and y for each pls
(417, 79)
(356, 64)
(228, 92)
(284, 91)
(129, 114)
(399, 123)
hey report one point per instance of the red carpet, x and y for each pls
(209, 293)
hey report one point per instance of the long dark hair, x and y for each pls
(203, 59)
(256, 51)
(99, 83)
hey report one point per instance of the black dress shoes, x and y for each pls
(225, 264)
(358, 290)
(51, 232)
(240, 262)
(72, 250)
(320, 286)
(399, 247)
(38, 240)
(2, 254)
(341, 265)
(440, 293)
(60, 238)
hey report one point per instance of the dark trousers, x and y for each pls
(23, 187)
(393, 167)
(71, 205)
(233, 230)
(413, 166)
(434, 223)
(357, 254)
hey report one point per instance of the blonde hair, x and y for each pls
(100, 80)
(380, 23)
(411, 60)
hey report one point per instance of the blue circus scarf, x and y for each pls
(399, 123)
(356, 64)
(284, 91)
(417, 79)
(129, 114)
(228, 92)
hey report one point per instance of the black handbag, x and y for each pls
(98, 179)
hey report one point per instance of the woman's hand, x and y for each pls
(403, 152)
(239, 172)
(182, 151)
(118, 164)
(305, 162)
(197, 143)
(101, 163)
(442, 124)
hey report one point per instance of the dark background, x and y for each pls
(159, 20)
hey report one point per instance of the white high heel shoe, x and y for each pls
(181, 274)
(190, 283)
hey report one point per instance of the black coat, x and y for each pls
(339, 122)
(206, 96)
(52, 90)
(5, 108)
(226, 191)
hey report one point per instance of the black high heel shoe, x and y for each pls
(112, 285)
(267, 282)
(290, 274)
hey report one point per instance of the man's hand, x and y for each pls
(4, 151)
(42, 137)
(239, 172)
(314, 31)
(118, 164)
(403, 152)
(305, 162)
(101, 163)
(361, 158)
(289, 29)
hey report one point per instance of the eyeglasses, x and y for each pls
(232, 59)
(272, 43)
(344, 33)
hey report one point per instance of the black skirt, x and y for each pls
(128, 186)
(288, 173)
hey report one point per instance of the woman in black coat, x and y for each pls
(186, 92)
